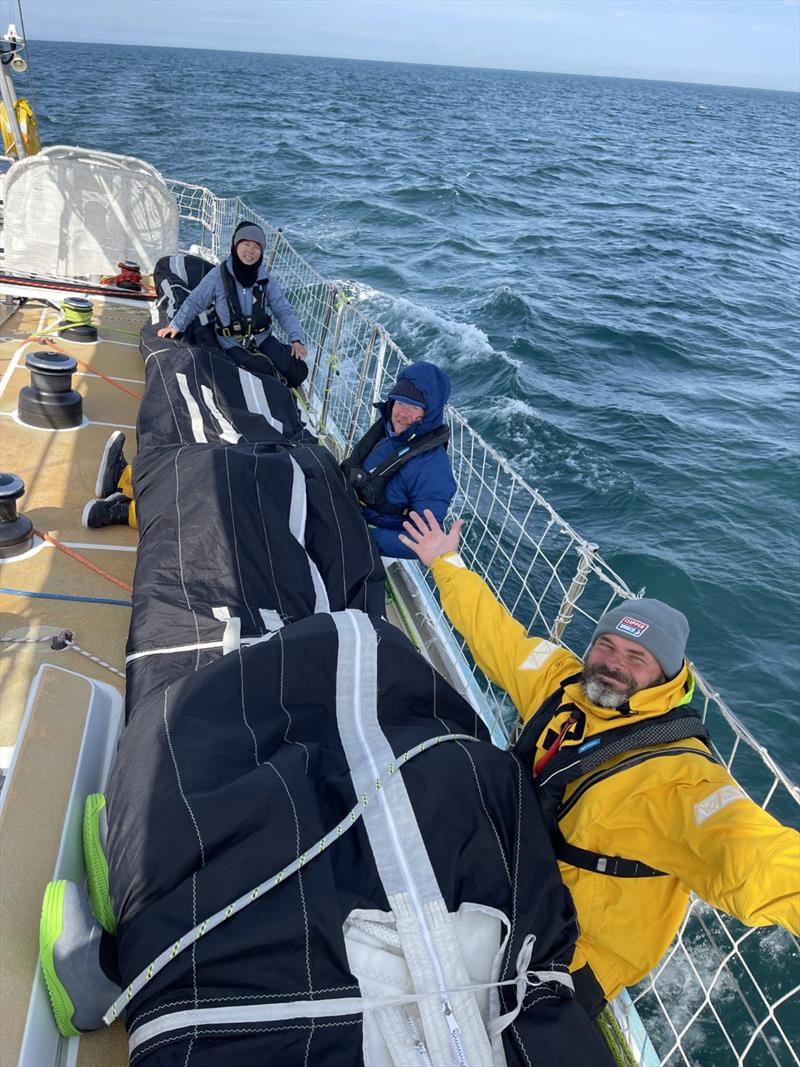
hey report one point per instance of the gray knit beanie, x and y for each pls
(249, 231)
(654, 625)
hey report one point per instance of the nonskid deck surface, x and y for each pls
(59, 469)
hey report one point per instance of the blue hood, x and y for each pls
(434, 385)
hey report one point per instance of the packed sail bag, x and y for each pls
(317, 857)
(236, 542)
(200, 394)
(174, 277)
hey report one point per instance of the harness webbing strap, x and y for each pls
(560, 766)
(556, 745)
(311, 853)
(525, 746)
(370, 486)
(415, 446)
(241, 325)
(677, 724)
(616, 866)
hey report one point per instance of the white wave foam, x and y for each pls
(544, 453)
(469, 341)
(358, 291)
(508, 408)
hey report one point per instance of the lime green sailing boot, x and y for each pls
(95, 829)
(78, 960)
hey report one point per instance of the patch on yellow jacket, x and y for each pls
(454, 560)
(538, 656)
(704, 809)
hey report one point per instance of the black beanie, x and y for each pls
(405, 391)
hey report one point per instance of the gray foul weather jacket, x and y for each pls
(211, 290)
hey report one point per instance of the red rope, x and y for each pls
(99, 290)
(88, 367)
(86, 562)
(129, 274)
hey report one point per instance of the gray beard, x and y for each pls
(605, 696)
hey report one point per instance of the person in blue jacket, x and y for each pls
(246, 300)
(401, 463)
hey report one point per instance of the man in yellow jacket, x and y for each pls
(642, 824)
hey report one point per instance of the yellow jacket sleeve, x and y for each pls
(721, 845)
(743, 861)
(498, 643)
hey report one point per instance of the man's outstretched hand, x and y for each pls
(427, 538)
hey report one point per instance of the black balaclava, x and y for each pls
(245, 275)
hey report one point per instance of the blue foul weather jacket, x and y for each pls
(426, 481)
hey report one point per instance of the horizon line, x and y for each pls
(415, 63)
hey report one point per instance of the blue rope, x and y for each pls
(62, 596)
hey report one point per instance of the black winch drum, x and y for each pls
(50, 402)
(16, 531)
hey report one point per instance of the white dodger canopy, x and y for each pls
(72, 212)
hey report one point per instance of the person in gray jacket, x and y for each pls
(246, 300)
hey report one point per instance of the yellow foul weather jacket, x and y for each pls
(675, 809)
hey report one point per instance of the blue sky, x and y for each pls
(729, 42)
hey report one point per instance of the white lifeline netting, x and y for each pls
(723, 994)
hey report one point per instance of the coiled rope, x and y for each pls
(70, 317)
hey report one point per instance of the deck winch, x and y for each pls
(76, 320)
(16, 531)
(129, 277)
(50, 402)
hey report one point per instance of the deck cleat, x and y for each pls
(77, 960)
(50, 402)
(112, 465)
(112, 511)
(16, 531)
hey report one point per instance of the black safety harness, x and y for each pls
(242, 327)
(370, 486)
(590, 758)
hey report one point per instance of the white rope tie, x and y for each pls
(523, 980)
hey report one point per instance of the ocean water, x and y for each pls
(607, 268)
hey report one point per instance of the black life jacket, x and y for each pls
(370, 486)
(570, 764)
(242, 327)
(174, 277)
